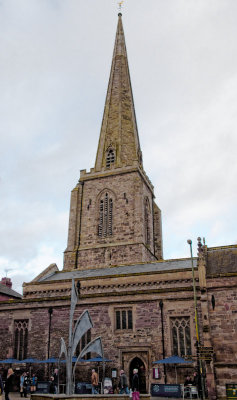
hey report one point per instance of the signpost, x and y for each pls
(160, 390)
(205, 353)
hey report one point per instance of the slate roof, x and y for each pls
(162, 266)
(9, 292)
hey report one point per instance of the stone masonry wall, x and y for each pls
(144, 340)
(127, 243)
(223, 329)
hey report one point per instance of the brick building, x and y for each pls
(6, 291)
(140, 304)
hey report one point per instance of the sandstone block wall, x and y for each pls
(127, 243)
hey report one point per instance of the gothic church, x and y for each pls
(140, 304)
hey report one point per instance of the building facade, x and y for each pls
(140, 304)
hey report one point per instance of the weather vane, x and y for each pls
(120, 4)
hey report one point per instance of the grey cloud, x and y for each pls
(55, 59)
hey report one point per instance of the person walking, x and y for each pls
(135, 381)
(94, 381)
(123, 384)
(22, 377)
(9, 383)
(1, 387)
(33, 383)
(135, 385)
(51, 385)
(55, 377)
(26, 383)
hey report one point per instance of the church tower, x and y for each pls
(113, 217)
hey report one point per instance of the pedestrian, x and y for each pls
(26, 383)
(22, 377)
(94, 381)
(123, 384)
(1, 387)
(135, 381)
(135, 385)
(9, 383)
(55, 377)
(197, 382)
(51, 385)
(33, 383)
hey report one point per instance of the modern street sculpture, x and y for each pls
(82, 325)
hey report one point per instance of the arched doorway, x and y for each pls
(138, 364)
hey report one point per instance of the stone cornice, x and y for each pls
(222, 275)
(86, 176)
(64, 301)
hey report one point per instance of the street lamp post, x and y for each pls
(50, 311)
(161, 304)
(199, 362)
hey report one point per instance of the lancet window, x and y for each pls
(110, 158)
(147, 221)
(21, 339)
(105, 227)
(181, 338)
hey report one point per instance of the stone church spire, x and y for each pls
(113, 216)
(119, 142)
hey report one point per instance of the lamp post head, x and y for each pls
(50, 310)
(189, 241)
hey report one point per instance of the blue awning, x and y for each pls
(98, 359)
(10, 361)
(173, 360)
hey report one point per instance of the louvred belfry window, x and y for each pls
(105, 227)
(110, 158)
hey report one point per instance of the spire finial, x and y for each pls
(120, 5)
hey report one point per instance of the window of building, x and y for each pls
(181, 338)
(21, 339)
(147, 221)
(105, 216)
(110, 158)
(123, 319)
(86, 338)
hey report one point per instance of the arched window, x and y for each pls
(105, 216)
(181, 338)
(21, 339)
(110, 158)
(147, 221)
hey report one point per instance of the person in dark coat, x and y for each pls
(55, 377)
(135, 381)
(1, 386)
(187, 381)
(9, 383)
(123, 384)
(26, 383)
(51, 385)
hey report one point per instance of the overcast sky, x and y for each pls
(55, 58)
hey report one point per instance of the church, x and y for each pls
(144, 308)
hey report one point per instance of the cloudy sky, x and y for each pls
(55, 58)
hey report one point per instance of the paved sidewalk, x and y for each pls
(17, 396)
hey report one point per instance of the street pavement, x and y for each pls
(17, 396)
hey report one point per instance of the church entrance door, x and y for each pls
(138, 364)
